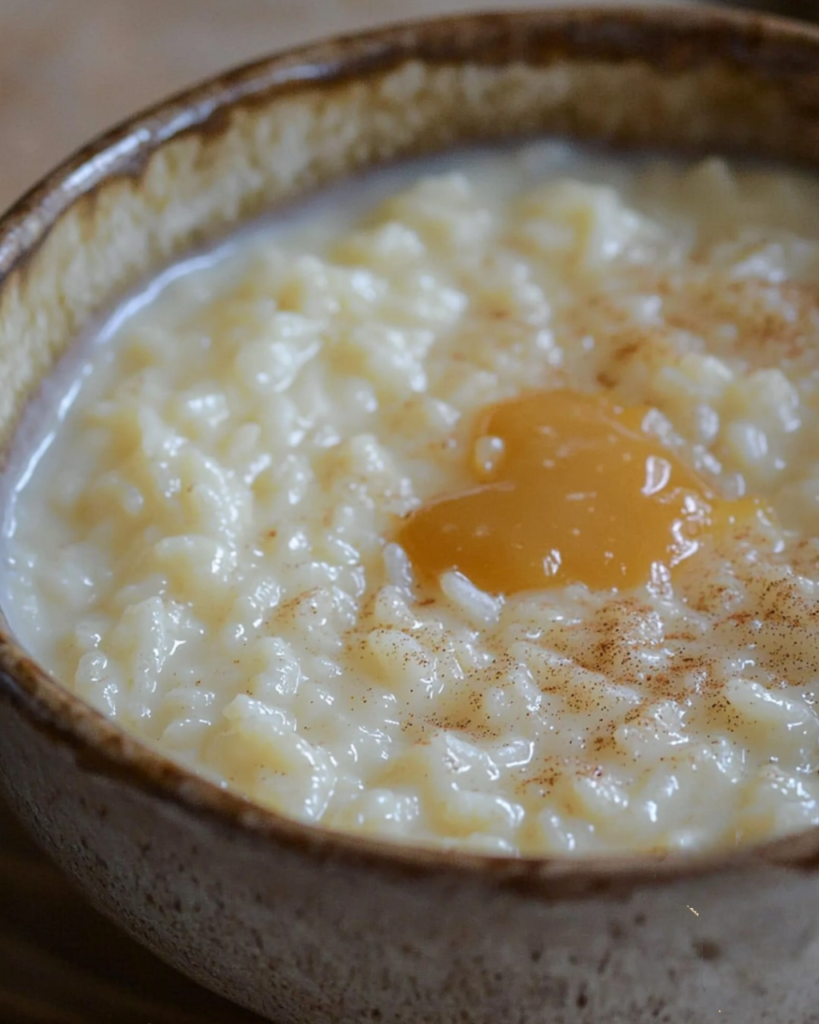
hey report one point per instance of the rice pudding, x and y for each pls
(474, 505)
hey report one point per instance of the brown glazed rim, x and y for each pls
(666, 38)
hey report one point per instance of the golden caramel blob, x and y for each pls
(569, 489)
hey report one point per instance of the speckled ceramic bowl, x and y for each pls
(299, 924)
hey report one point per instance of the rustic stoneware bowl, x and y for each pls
(297, 923)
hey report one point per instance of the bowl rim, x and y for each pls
(99, 745)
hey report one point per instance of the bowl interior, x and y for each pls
(196, 166)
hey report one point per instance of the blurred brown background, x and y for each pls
(68, 69)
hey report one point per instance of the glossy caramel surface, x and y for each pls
(569, 488)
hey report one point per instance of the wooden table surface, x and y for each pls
(69, 68)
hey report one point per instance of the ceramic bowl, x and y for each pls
(297, 923)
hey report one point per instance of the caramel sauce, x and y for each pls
(569, 489)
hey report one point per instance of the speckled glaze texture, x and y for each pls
(298, 924)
